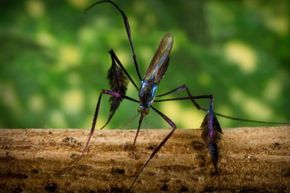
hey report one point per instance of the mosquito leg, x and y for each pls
(186, 98)
(219, 114)
(182, 88)
(91, 131)
(128, 31)
(172, 124)
(113, 94)
(115, 58)
(112, 114)
(211, 129)
(107, 92)
(89, 138)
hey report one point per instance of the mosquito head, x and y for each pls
(143, 110)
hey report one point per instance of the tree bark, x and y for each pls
(36, 160)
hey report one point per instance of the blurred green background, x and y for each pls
(54, 60)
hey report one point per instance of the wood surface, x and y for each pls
(253, 159)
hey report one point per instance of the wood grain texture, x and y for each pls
(252, 160)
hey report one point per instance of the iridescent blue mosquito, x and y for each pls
(119, 78)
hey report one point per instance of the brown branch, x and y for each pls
(252, 160)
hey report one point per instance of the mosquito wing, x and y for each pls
(160, 61)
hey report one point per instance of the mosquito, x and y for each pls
(119, 79)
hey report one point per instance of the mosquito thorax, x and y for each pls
(147, 94)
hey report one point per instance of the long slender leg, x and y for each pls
(128, 30)
(211, 129)
(115, 58)
(107, 92)
(116, 61)
(182, 88)
(219, 114)
(186, 98)
(94, 121)
(172, 124)
(111, 115)
(247, 120)
(89, 138)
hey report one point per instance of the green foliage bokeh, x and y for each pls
(54, 60)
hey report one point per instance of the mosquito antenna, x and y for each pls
(138, 129)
